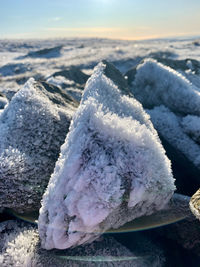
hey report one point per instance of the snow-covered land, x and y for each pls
(112, 166)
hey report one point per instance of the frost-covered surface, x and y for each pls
(18, 243)
(60, 81)
(20, 246)
(114, 100)
(184, 65)
(73, 74)
(85, 54)
(112, 168)
(170, 127)
(195, 204)
(32, 128)
(193, 78)
(51, 52)
(191, 125)
(156, 84)
(16, 68)
(68, 85)
(189, 68)
(3, 102)
(175, 103)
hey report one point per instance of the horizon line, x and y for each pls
(178, 36)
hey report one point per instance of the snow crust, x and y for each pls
(156, 84)
(112, 169)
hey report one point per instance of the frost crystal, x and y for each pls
(112, 168)
(20, 246)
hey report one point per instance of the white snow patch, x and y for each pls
(60, 81)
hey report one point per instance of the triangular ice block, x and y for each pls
(112, 168)
(33, 126)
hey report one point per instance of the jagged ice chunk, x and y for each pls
(33, 127)
(156, 84)
(169, 125)
(112, 169)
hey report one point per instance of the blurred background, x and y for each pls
(127, 19)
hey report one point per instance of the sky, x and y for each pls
(116, 19)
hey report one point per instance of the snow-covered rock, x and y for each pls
(115, 101)
(175, 104)
(184, 66)
(112, 167)
(73, 74)
(71, 79)
(51, 52)
(14, 69)
(73, 89)
(115, 75)
(195, 204)
(20, 246)
(3, 101)
(75, 93)
(170, 127)
(156, 84)
(33, 127)
(191, 125)
(180, 65)
(10, 91)
(60, 81)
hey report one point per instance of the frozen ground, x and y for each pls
(172, 87)
(18, 60)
